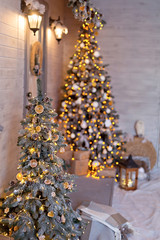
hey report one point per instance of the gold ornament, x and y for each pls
(33, 163)
(91, 25)
(110, 103)
(50, 214)
(94, 84)
(82, 8)
(34, 120)
(38, 128)
(89, 109)
(15, 228)
(55, 138)
(19, 176)
(66, 185)
(83, 68)
(62, 150)
(70, 92)
(6, 210)
(47, 181)
(39, 109)
(63, 219)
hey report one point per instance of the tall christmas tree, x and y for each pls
(37, 205)
(87, 107)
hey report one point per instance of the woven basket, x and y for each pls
(141, 147)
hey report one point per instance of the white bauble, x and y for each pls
(73, 135)
(75, 86)
(87, 61)
(82, 45)
(104, 151)
(108, 110)
(96, 54)
(80, 111)
(105, 96)
(95, 164)
(95, 104)
(115, 143)
(63, 104)
(107, 123)
(94, 90)
(98, 24)
(109, 148)
(79, 100)
(70, 114)
(82, 84)
(90, 130)
(100, 142)
(102, 78)
(83, 124)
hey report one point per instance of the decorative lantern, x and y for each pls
(58, 27)
(34, 21)
(128, 174)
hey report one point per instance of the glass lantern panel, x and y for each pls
(123, 177)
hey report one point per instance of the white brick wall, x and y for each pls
(130, 44)
(11, 85)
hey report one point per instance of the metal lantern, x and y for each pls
(128, 174)
(34, 21)
(58, 27)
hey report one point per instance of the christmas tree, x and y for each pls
(36, 205)
(87, 107)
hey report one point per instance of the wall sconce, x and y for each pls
(58, 27)
(34, 17)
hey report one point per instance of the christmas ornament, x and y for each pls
(80, 111)
(107, 123)
(29, 94)
(109, 148)
(104, 151)
(47, 181)
(94, 90)
(95, 164)
(96, 54)
(83, 124)
(94, 84)
(89, 109)
(50, 214)
(39, 109)
(63, 220)
(79, 100)
(19, 176)
(42, 237)
(109, 161)
(90, 130)
(82, 8)
(34, 120)
(66, 185)
(82, 84)
(33, 163)
(73, 135)
(55, 138)
(70, 92)
(19, 198)
(91, 25)
(102, 78)
(115, 143)
(63, 104)
(108, 110)
(53, 194)
(62, 150)
(38, 128)
(6, 210)
(95, 104)
(83, 68)
(15, 228)
(87, 61)
(75, 86)
(82, 45)
(96, 33)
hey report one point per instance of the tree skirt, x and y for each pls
(141, 207)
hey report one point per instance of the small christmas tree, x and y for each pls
(37, 205)
(87, 107)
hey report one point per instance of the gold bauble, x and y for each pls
(82, 8)
(55, 138)
(70, 92)
(94, 84)
(91, 25)
(96, 33)
(33, 163)
(38, 128)
(83, 68)
(19, 176)
(66, 185)
(39, 109)
(50, 214)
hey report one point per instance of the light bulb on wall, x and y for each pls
(34, 21)
(58, 28)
